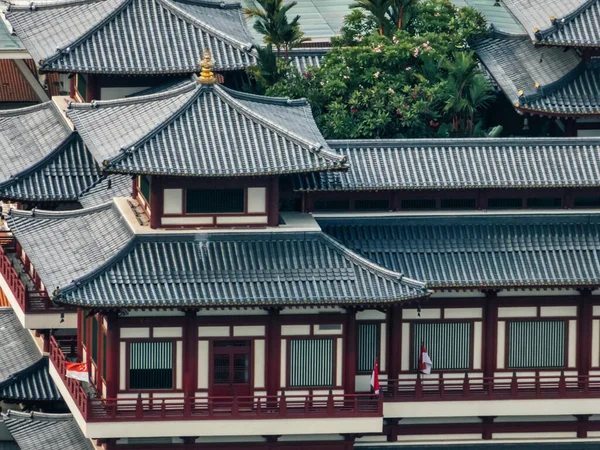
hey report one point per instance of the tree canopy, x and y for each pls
(416, 79)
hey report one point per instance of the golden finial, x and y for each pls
(206, 74)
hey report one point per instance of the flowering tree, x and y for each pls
(372, 86)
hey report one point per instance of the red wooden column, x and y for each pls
(80, 336)
(190, 354)
(584, 328)
(273, 203)
(394, 341)
(156, 202)
(490, 333)
(273, 360)
(350, 352)
(112, 354)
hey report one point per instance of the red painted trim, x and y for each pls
(350, 348)
(273, 356)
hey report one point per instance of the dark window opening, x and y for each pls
(372, 205)
(145, 187)
(544, 202)
(505, 203)
(332, 205)
(458, 203)
(208, 201)
(586, 202)
(418, 203)
(151, 365)
(82, 86)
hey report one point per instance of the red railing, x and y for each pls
(498, 388)
(215, 408)
(30, 300)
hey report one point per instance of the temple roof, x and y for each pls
(204, 130)
(23, 371)
(460, 164)
(573, 23)
(105, 189)
(495, 13)
(67, 245)
(45, 431)
(480, 251)
(133, 36)
(303, 58)
(33, 383)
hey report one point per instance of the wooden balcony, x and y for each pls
(498, 388)
(22, 279)
(214, 408)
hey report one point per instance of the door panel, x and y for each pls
(231, 364)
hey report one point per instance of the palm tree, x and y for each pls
(271, 20)
(269, 69)
(291, 35)
(398, 10)
(378, 8)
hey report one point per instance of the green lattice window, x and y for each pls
(208, 201)
(368, 346)
(311, 362)
(536, 344)
(145, 187)
(448, 344)
(151, 365)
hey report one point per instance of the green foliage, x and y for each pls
(417, 82)
(269, 69)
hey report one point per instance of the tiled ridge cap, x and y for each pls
(58, 215)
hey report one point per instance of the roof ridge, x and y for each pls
(58, 215)
(548, 89)
(46, 5)
(449, 142)
(172, 6)
(87, 33)
(26, 109)
(34, 415)
(23, 372)
(564, 20)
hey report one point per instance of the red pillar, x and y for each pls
(350, 352)
(490, 333)
(394, 341)
(273, 352)
(190, 354)
(112, 354)
(80, 337)
(487, 427)
(273, 203)
(584, 328)
(156, 201)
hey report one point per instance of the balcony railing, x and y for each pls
(215, 408)
(498, 388)
(23, 281)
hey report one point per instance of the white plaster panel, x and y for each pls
(179, 365)
(192, 220)
(213, 331)
(558, 311)
(340, 361)
(370, 314)
(501, 340)
(596, 309)
(257, 200)
(135, 333)
(203, 364)
(362, 383)
(382, 348)
(439, 437)
(259, 364)
(539, 292)
(427, 313)
(518, 311)
(283, 367)
(173, 201)
(463, 313)
(295, 330)
(333, 331)
(532, 435)
(168, 332)
(477, 345)
(122, 366)
(593, 434)
(595, 343)
(167, 394)
(257, 330)
(572, 343)
(405, 357)
(226, 220)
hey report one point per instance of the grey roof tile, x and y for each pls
(59, 176)
(32, 384)
(303, 58)
(134, 36)
(580, 28)
(461, 164)
(68, 245)
(238, 270)
(17, 349)
(204, 130)
(480, 251)
(105, 189)
(35, 430)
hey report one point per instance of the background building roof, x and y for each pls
(480, 251)
(496, 14)
(460, 164)
(32, 384)
(133, 36)
(105, 189)
(204, 130)
(17, 349)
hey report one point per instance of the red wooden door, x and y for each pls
(231, 368)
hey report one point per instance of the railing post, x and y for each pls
(418, 387)
(442, 387)
(562, 385)
(514, 386)
(258, 407)
(282, 405)
(235, 406)
(187, 407)
(466, 386)
(330, 403)
(139, 407)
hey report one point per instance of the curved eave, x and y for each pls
(451, 188)
(533, 285)
(554, 113)
(45, 68)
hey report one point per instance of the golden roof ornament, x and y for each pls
(206, 74)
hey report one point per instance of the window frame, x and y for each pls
(334, 355)
(536, 319)
(377, 323)
(244, 210)
(128, 343)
